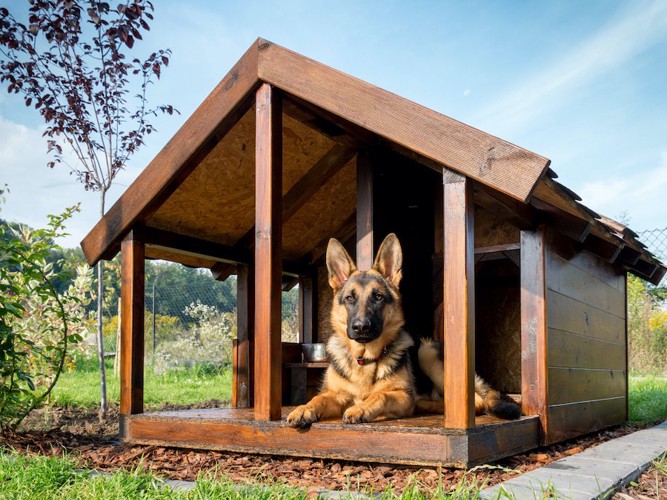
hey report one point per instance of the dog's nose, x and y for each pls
(361, 326)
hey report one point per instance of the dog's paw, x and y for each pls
(301, 416)
(356, 415)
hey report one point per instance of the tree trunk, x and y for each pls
(100, 338)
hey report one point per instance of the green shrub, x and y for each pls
(37, 323)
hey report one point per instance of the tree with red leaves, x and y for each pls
(69, 61)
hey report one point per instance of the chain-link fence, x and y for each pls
(656, 242)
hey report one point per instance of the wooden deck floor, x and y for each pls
(419, 440)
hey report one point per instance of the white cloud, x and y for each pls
(641, 195)
(37, 191)
(466, 92)
(627, 35)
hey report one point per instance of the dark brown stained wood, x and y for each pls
(492, 229)
(572, 316)
(487, 159)
(268, 254)
(534, 391)
(346, 231)
(158, 238)
(515, 437)
(571, 385)
(646, 269)
(628, 256)
(498, 248)
(517, 213)
(604, 249)
(459, 301)
(412, 441)
(572, 420)
(568, 350)
(597, 267)
(222, 270)
(570, 225)
(570, 280)
(307, 310)
(212, 119)
(132, 325)
(365, 251)
(245, 317)
(154, 253)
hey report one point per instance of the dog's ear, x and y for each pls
(389, 260)
(339, 264)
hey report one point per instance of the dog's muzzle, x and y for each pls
(362, 330)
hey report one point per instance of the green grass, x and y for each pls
(26, 477)
(81, 387)
(647, 399)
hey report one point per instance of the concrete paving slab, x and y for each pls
(592, 474)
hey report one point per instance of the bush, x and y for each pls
(37, 323)
(647, 329)
(207, 340)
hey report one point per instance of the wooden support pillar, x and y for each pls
(132, 325)
(268, 255)
(307, 309)
(242, 386)
(534, 326)
(365, 251)
(459, 301)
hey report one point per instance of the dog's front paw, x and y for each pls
(301, 416)
(357, 415)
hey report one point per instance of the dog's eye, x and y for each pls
(378, 297)
(349, 299)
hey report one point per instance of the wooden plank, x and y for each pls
(570, 350)
(194, 140)
(245, 318)
(597, 267)
(132, 324)
(570, 280)
(459, 301)
(571, 385)
(534, 389)
(365, 250)
(482, 157)
(307, 310)
(565, 223)
(411, 441)
(517, 213)
(570, 315)
(573, 420)
(197, 247)
(268, 261)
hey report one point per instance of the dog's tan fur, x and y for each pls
(487, 399)
(383, 386)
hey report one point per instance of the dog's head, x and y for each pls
(366, 303)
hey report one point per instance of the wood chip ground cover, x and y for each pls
(77, 432)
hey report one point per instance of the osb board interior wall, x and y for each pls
(216, 202)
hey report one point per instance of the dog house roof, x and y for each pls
(195, 200)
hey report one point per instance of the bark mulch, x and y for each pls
(78, 433)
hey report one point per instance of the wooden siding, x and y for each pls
(586, 354)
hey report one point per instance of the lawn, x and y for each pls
(648, 399)
(81, 387)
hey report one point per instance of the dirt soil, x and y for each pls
(77, 432)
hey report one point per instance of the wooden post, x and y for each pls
(365, 250)
(307, 308)
(459, 301)
(268, 255)
(132, 325)
(534, 326)
(245, 312)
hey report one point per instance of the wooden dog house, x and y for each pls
(286, 153)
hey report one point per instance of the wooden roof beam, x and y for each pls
(197, 247)
(565, 223)
(604, 249)
(471, 152)
(218, 113)
(519, 214)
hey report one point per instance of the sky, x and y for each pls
(583, 83)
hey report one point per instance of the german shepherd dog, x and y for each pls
(369, 374)
(487, 399)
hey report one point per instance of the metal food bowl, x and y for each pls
(314, 352)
